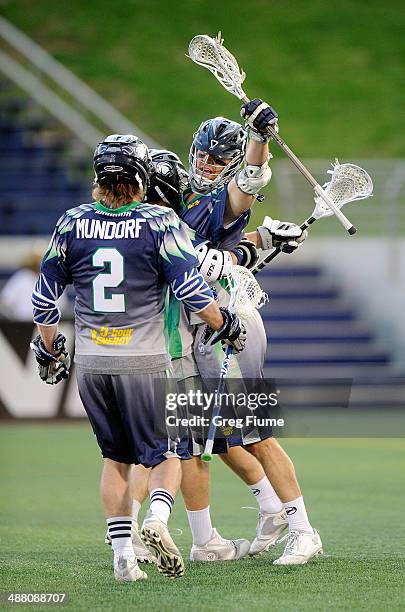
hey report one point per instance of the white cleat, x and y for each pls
(156, 534)
(142, 554)
(126, 570)
(300, 548)
(269, 528)
(219, 549)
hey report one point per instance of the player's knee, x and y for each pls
(256, 449)
(263, 448)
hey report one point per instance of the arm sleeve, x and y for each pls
(53, 277)
(191, 288)
(44, 296)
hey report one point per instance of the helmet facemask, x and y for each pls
(208, 172)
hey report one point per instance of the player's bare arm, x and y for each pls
(239, 200)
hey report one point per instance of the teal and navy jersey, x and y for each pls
(205, 215)
(120, 262)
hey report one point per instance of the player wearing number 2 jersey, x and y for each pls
(121, 255)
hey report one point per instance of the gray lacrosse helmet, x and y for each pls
(222, 139)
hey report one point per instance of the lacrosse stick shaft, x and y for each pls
(209, 444)
(311, 180)
(278, 250)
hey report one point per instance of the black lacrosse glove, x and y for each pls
(259, 116)
(52, 368)
(246, 254)
(232, 332)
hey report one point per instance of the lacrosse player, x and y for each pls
(120, 255)
(218, 206)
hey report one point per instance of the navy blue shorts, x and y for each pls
(127, 421)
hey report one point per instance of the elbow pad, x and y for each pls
(253, 178)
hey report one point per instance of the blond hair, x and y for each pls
(117, 195)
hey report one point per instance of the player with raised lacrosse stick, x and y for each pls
(211, 54)
(217, 208)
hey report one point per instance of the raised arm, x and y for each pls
(255, 173)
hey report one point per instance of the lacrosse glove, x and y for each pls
(258, 116)
(52, 368)
(232, 332)
(281, 234)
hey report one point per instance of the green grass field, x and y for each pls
(52, 530)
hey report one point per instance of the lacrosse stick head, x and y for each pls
(246, 295)
(348, 183)
(211, 54)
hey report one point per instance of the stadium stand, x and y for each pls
(315, 336)
(37, 177)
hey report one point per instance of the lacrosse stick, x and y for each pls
(348, 183)
(246, 295)
(211, 54)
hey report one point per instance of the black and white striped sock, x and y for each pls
(161, 504)
(119, 530)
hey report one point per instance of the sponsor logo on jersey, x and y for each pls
(108, 230)
(192, 204)
(111, 336)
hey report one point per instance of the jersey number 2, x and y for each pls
(108, 280)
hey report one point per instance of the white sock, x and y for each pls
(266, 496)
(297, 516)
(136, 506)
(161, 504)
(119, 530)
(200, 525)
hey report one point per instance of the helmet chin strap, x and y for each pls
(162, 195)
(199, 186)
